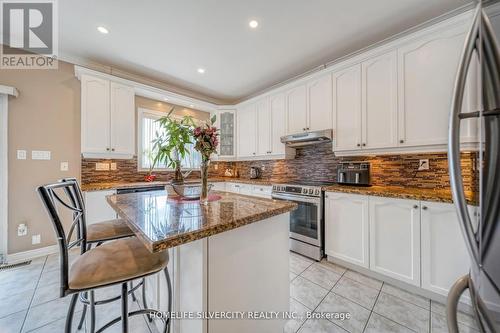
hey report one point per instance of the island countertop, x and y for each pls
(162, 222)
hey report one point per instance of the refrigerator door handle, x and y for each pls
(456, 180)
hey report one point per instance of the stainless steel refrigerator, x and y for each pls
(482, 236)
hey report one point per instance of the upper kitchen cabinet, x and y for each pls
(247, 131)
(226, 122)
(427, 71)
(379, 113)
(263, 127)
(319, 102)
(108, 118)
(347, 108)
(278, 123)
(296, 103)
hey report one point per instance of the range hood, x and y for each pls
(307, 138)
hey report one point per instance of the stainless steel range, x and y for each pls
(307, 221)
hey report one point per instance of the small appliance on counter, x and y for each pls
(255, 173)
(354, 173)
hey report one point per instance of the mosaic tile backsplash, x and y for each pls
(316, 163)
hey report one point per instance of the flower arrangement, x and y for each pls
(206, 139)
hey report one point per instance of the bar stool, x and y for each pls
(112, 263)
(98, 233)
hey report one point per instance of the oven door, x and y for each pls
(305, 221)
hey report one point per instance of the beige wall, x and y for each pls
(45, 116)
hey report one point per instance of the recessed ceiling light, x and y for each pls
(191, 106)
(102, 30)
(253, 24)
(201, 70)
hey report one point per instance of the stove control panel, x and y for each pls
(314, 191)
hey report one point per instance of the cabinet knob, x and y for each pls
(358, 145)
(415, 206)
(424, 208)
(401, 141)
(107, 149)
(112, 149)
(304, 129)
(364, 144)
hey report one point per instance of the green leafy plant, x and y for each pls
(170, 145)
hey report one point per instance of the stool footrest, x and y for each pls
(85, 300)
(135, 313)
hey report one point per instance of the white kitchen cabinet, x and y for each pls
(347, 108)
(95, 115)
(444, 253)
(247, 131)
(226, 122)
(278, 123)
(219, 186)
(379, 102)
(122, 120)
(97, 208)
(246, 189)
(296, 103)
(427, 72)
(347, 228)
(263, 127)
(395, 238)
(233, 187)
(263, 191)
(319, 101)
(108, 118)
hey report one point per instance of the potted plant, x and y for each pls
(206, 140)
(170, 146)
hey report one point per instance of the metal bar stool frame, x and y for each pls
(50, 198)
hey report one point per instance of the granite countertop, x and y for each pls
(120, 185)
(436, 195)
(162, 222)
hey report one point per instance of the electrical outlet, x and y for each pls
(22, 229)
(64, 166)
(216, 166)
(102, 166)
(423, 164)
(263, 168)
(36, 239)
(21, 154)
(113, 166)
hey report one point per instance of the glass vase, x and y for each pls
(204, 182)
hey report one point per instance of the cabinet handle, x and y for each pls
(401, 141)
(415, 206)
(424, 208)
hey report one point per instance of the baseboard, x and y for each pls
(31, 254)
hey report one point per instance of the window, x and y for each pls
(148, 127)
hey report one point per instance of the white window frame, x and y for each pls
(140, 114)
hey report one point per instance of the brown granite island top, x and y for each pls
(161, 222)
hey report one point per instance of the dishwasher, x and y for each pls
(140, 189)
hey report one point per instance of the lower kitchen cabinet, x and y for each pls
(347, 228)
(97, 208)
(219, 186)
(395, 238)
(444, 254)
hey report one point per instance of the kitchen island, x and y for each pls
(228, 258)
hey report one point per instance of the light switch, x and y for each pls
(64, 166)
(21, 154)
(35, 239)
(40, 155)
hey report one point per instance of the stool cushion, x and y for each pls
(108, 230)
(113, 262)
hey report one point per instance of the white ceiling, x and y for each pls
(168, 40)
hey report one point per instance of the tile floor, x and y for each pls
(29, 302)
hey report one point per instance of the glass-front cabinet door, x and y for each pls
(226, 120)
